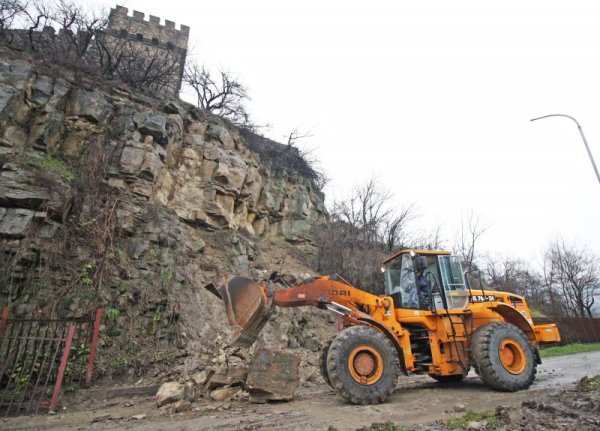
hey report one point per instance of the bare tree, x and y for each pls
(223, 96)
(62, 32)
(514, 275)
(297, 135)
(470, 231)
(9, 11)
(363, 229)
(428, 240)
(77, 28)
(122, 59)
(395, 232)
(367, 210)
(574, 274)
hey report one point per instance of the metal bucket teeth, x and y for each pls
(246, 304)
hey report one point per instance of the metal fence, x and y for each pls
(575, 329)
(39, 356)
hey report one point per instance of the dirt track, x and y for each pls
(417, 400)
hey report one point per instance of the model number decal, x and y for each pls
(334, 292)
(482, 298)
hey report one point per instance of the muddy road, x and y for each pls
(417, 399)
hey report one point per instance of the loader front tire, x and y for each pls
(363, 365)
(503, 356)
(323, 361)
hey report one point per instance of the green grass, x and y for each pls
(569, 349)
(470, 416)
(53, 165)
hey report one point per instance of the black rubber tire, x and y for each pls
(475, 342)
(453, 378)
(340, 377)
(485, 352)
(323, 361)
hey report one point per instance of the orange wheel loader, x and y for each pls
(429, 321)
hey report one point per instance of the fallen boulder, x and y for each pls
(169, 392)
(273, 376)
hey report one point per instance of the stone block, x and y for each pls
(15, 222)
(41, 89)
(132, 159)
(273, 376)
(218, 132)
(90, 105)
(152, 124)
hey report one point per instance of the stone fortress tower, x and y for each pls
(158, 41)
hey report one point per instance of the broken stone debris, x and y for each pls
(272, 376)
(225, 393)
(202, 377)
(182, 406)
(228, 376)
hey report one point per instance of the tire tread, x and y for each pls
(374, 394)
(490, 371)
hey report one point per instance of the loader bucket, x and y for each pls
(247, 306)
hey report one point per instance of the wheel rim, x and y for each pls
(365, 365)
(512, 356)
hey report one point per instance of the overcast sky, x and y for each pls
(433, 98)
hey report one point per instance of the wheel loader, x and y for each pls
(429, 321)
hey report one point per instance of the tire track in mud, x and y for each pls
(283, 421)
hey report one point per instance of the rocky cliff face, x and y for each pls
(112, 198)
(164, 153)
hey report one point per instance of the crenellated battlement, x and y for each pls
(135, 26)
(135, 47)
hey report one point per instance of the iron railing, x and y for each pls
(40, 356)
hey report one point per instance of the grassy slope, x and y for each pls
(569, 349)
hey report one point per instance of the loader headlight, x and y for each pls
(382, 269)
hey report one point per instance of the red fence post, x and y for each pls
(61, 368)
(5, 313)
(88, 376)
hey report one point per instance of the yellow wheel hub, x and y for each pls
(365, 364)
(512, 356)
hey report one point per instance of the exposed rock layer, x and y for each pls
(169, 154)
(111, 198)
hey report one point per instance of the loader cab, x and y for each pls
(426, 280)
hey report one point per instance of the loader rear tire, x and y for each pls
(363, 365)
(503, 356)
(453, 378)
(323, 361)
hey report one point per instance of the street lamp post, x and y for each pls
(587, 147)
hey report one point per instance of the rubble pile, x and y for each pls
(270, 375)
